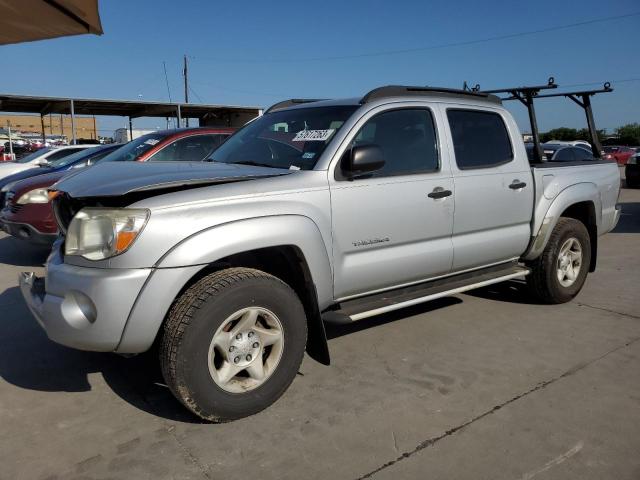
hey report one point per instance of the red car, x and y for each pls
(27, 212)
(619, 154)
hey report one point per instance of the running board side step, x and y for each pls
(389, 301)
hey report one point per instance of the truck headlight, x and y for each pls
(99, 233)
(39, 195)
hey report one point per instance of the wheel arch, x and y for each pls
(288, 247)
(580, 202)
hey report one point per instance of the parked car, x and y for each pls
(27, 212)
(186, 144)
(556, 152)
(341, 208)
(632, 171)
(48, 154)
(80, 159)
(619, 154)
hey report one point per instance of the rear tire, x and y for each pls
(560, 272)
(232, 343)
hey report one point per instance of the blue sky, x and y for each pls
(256, 53)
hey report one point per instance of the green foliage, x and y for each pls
(569, 134)
(629, 134)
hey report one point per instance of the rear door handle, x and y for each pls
(439, 192)
(517, 185)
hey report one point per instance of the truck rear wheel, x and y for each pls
(560, 272)
(233, 343)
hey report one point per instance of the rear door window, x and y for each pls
(480, 139)
(62, 153)
(582, 154)
(564, 155)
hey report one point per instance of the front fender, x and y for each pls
(209, 245)
(194, 253)
(548, 213)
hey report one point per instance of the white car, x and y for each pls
(39, 157)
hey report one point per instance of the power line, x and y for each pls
(196, 94)
(421, 49)
(166, 79)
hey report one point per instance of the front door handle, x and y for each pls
(439, 192)
(517, 185)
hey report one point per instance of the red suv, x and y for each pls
(619, 154)
(27, 212)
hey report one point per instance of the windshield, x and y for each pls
(34, 155)
(292, 139)
(74, 157)
(135, 148)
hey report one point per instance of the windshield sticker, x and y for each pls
(152, 141)
(313, 135)
(308, 155)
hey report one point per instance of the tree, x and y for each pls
(629, 134)
(569, 134)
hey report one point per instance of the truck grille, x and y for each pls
(64, 208)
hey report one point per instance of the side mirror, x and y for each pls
(362, 159)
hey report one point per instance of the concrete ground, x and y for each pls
(477, 386)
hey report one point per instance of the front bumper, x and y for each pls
(80, 307)
(24, 231)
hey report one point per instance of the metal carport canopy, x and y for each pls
(126, 108)
(30, 20)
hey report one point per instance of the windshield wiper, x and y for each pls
(253, 164)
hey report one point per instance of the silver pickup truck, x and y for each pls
(316, 211)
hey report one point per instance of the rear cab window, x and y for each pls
(480, 139)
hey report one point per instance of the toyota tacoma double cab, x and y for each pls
(331, 210)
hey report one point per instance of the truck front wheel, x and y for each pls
(560, 272)
(233, 343)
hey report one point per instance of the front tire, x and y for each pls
(232, 343)
(560, 272)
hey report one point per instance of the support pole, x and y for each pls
(10, 140)
(73, 123)
(130, 129)
(44, 137)
(537, 149)
(95, 129)
(186, 87)
(596, 148)
(179, 117)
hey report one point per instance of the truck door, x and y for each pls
(494, 188)
(387, 230)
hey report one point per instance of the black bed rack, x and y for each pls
(526, 95)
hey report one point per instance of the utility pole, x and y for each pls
(185, 73)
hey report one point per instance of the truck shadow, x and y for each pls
(29, 360)
(629, 218)
(22, 254)
(339, 330)
(514, 291)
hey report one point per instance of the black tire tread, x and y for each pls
(537, 280)
(180, 317)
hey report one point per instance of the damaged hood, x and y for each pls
(110, 179)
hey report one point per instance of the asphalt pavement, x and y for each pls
(485, 385)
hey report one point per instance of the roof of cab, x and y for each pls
(389, 92)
